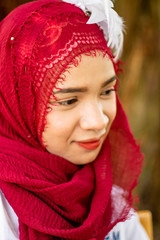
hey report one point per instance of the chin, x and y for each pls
(83, 160)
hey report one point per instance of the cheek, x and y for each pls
(58, 127)
(114, 109)
(111, 109)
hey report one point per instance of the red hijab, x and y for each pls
(53, 198)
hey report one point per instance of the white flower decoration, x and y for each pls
(107, 19)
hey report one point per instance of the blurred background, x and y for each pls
(140, 93)
(139, 90)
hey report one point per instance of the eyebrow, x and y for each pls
(84, 89)
(109, 81)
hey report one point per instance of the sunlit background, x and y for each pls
(140, 93)
(139, 90)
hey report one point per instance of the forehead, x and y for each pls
(91, 69)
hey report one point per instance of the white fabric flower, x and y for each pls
(107, 19)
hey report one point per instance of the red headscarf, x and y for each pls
(53, 198)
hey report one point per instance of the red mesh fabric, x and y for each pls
(53, 198)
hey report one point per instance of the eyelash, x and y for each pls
(74, 100)
(67, 102)
(109, 91)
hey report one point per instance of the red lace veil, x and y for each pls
(53, 198)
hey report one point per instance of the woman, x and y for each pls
(68, 159)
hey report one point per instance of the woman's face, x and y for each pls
(83, 111)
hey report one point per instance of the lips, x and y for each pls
(90, 145)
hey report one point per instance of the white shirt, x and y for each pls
(129, 230)
(9, 226)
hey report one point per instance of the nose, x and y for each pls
(93, 117)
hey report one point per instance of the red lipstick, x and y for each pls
(90, 145)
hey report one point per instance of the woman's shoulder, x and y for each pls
(131, 229)
(8, 220)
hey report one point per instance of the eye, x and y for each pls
(66, 102)
(108, 92)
